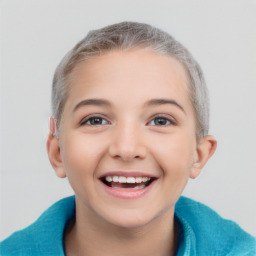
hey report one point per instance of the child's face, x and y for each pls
(139, 123)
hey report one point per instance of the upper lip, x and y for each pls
(127, 174)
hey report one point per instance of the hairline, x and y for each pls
(68, 78)
(125, 36)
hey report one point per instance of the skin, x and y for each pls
(130, 138)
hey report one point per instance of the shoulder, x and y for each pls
(45, 235)
(212, 233)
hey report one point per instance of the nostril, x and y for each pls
(127, 149)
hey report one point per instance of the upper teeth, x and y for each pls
(122, 179)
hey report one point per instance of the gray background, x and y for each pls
(35, 34)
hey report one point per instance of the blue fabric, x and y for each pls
(201, 232)
(204, 232)
(44, 236)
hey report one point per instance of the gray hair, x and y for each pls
(125, 36)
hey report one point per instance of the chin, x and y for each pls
(131, 219)
(131, 223)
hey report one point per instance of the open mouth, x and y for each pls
(129, 183)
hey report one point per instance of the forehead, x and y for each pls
(136, 72)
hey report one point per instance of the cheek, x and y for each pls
(81, 155)
(175, 159)
(175, 151)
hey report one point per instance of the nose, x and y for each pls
(127, 143)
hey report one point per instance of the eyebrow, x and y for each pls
(105, 103)
(95, 102)
(155, 102)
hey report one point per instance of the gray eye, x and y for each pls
(95, 121)
(160, 121)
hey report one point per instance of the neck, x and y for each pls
(91, 235)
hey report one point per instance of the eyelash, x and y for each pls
(85, 120)
(168, 120)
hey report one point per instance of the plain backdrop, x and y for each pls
(35, 35)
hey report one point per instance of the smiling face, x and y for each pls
(128, 140)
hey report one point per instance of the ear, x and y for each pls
(53, 149)
(205, 149)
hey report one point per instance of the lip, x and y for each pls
(125, 193)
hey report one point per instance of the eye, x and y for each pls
(161, 121)
(95, 120)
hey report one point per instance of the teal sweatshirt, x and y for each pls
(201, 232)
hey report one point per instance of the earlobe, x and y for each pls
(54, 155)
(205, 149)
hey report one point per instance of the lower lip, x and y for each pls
(126, 193)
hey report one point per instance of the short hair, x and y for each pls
(125, 36)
